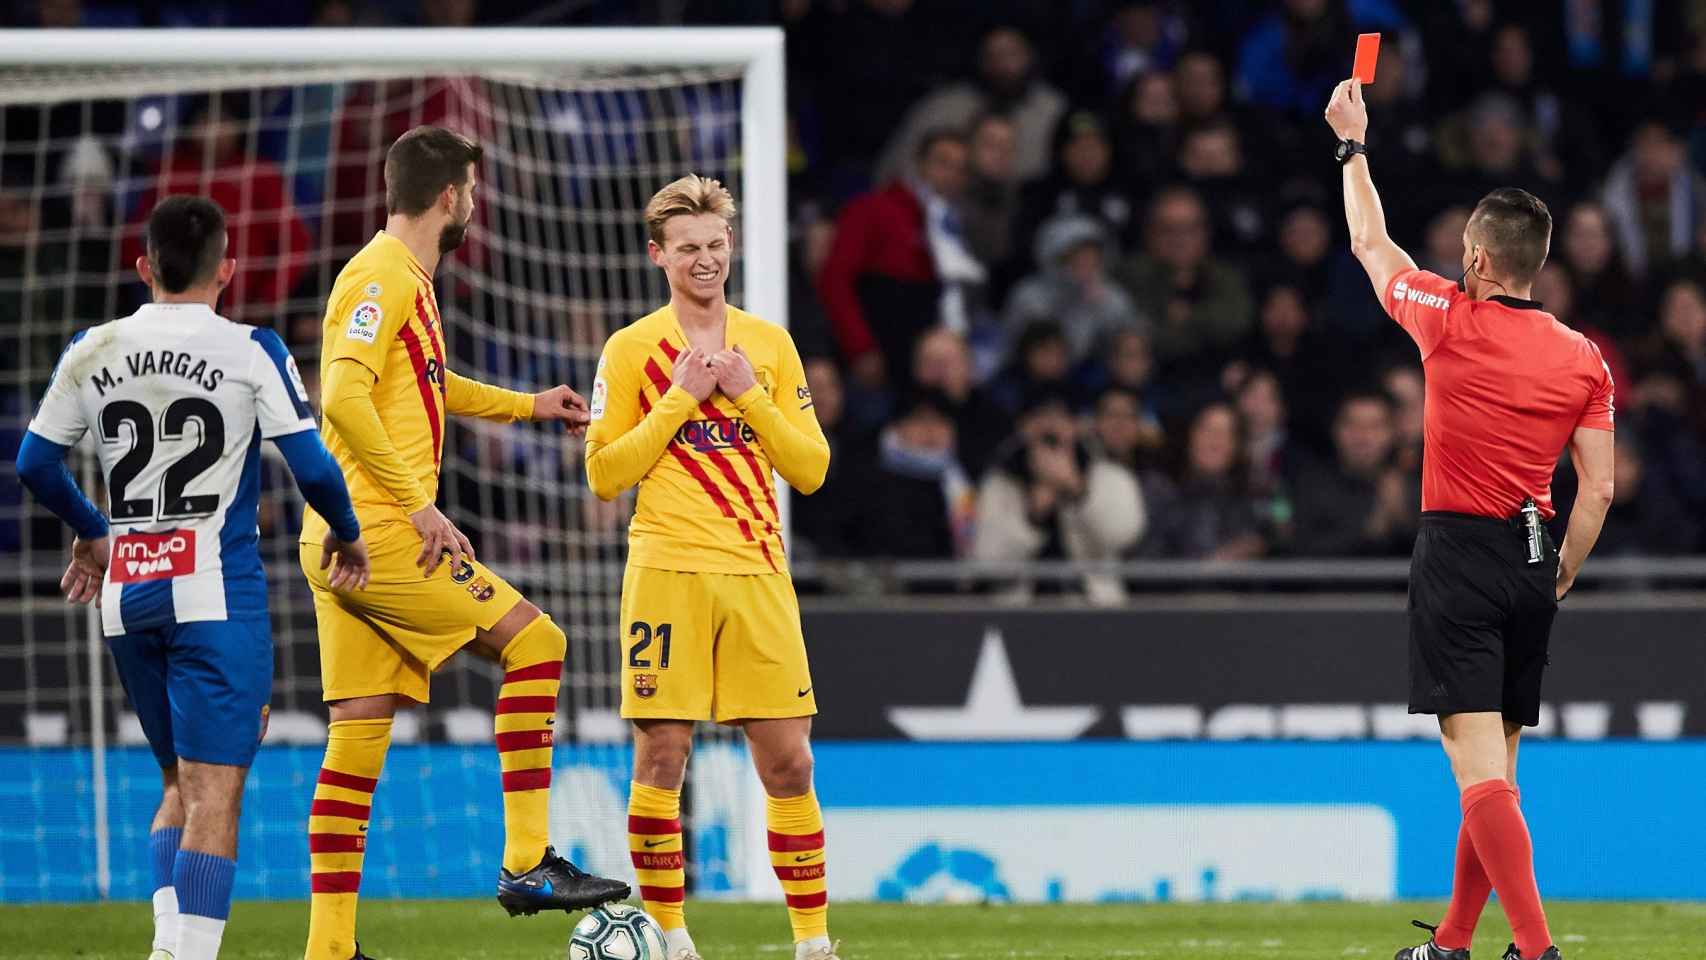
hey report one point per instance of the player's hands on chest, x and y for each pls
(728, 371)
(734, 371)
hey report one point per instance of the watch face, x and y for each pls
(1342, 151)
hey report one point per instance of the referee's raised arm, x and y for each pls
(1370, 243)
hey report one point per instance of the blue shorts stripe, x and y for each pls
(147, 605)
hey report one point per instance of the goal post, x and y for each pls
(497, 51)
(580, 126)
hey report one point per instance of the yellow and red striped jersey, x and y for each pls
(383, 314)
(707, 501)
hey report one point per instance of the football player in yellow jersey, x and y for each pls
(386, 392)
(698, 403)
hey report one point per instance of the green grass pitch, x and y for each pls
(466, 930)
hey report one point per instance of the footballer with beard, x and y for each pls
(386, 392)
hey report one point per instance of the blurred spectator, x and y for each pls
(826, 524)
(1491, 148)
(1211, 159)
(915, 499)
(217, 159)
(991, 202)
(370, 118)
(858, 66)
(1646, 518)
(942, 362)
(1605, 296)
(1673, 365)
(884, 281)
(26, 305)
(1039, 365)
(1261, 403)
(1567, 148)
(1305, 248)
(1047, 498)
(1456, 62)
(1291, 58)
(1123, 361)
(1201, 84)
(1146, 130)
(1007, 82)
(1200, 305)
(1207, 512)
(1084, 181)
(1303, 360)
(1125, 431)
(1442, 250)
(1073, 287)
(1656, 200)
(449, 13)
(1143, 36)
(1403, 382)
(1359, 504)
(1556, 292)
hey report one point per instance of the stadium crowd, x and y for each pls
(1071, 278)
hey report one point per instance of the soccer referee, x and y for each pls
(1508, 387)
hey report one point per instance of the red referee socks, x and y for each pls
(1469, 890)
(1494, 823)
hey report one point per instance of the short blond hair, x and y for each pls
(689, 196)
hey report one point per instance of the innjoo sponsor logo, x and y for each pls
(152, 556)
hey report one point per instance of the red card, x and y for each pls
(1368, 51)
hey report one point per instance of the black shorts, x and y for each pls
(1480, 617)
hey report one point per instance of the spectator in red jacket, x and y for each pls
(218, 160)
(882, 285)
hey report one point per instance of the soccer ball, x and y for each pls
(616, 932)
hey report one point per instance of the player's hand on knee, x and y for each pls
(560, 404)
(348, 562)
(438, 537)
(693, 373)
(734, 372)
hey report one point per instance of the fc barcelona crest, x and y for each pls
(459, 572)
(481, 589)
(645, 684)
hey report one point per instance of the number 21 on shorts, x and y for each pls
(642, 634)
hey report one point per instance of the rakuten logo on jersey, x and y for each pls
(152, 556)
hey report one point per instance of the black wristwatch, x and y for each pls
(1348, 149)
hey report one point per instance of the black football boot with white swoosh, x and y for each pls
(1552, 953)
(556, 884)
(1430, 950)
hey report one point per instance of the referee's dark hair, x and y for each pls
(186, 240)
(1516, 228)
(422, 163)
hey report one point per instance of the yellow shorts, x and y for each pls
(712, 646)
(391, 635)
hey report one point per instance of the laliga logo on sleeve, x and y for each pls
(364, 322)
(138, 557)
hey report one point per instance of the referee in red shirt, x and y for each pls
(1508, 388)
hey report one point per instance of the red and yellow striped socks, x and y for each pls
(796, 851)
(337, 832)
(527, 706)
(654, 845)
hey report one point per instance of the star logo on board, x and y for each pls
(993, 710)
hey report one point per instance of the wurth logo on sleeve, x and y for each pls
(152, 556)
(1402, 291)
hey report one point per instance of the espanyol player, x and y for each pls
(179, 399)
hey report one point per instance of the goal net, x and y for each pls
(288, 131)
